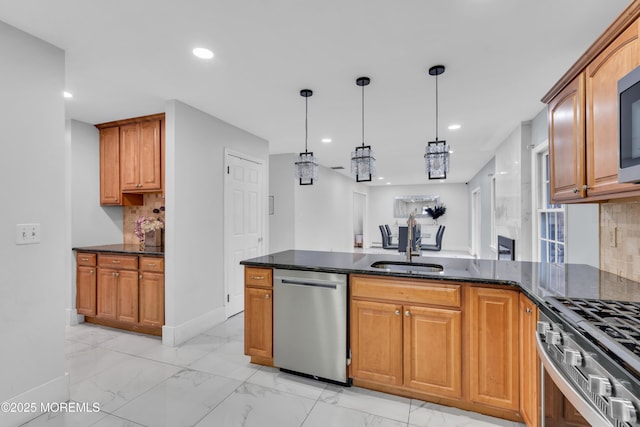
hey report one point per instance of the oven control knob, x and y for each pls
(542, 327)
(622, 410)
(553, 337)
(572, 357)
(599, 385)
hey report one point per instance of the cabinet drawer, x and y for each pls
(155, 264)
(406, 290)
(84, 258)
(123, 262)
(258, 276)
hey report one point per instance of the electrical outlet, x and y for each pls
(613, 241)
(27, 234)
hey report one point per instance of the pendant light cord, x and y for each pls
(306, 125)
(436, 107)
(363, 115)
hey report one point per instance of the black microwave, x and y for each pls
(629, 127)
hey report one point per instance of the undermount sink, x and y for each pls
(408, 267)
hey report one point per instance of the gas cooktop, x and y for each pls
(612, 325)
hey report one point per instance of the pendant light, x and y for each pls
(436, 157)
(307, 165)
(363, 162)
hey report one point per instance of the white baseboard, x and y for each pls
(54, 391)
(176, 335)
(73, 318)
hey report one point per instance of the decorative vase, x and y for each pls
(153, 239)
(142, 244)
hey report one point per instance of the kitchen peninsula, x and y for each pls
(464, 336)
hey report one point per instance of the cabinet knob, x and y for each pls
(90, 271)
(397, 312)
(266, 296)
(407, 313)
(140, 276)
(575, 191)
(528, 310)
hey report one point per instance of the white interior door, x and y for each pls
(244, 224)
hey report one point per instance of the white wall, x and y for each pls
(194, 254)
(282, 187)
(483, 180)
(324, 212)
(90, 223)
(453, 196)
(32, 170)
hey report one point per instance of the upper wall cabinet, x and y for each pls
(583, 117)
(131, 159)
(602, 75)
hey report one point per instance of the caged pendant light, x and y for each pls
(436, 157)
(363, 162)
(306, 168)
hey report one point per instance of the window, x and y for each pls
(551, 224)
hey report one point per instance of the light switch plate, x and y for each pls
(27, 234)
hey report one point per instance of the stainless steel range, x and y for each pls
(591, 350)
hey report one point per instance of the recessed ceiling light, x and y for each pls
(326, 140)
(442, 180)
(67, 94)
(454, 127)
(450, 151)
(381, 177)
(203, 53)
(388, 183)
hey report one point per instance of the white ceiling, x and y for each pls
(124, 58)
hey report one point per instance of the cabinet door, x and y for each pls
(493, 358)
(129, 152)
(110, 166)
(566, 142)
(258, 320)
(107, 293)
(127, 296)
(151, 299)
(149, 171)
(602, 77)
(433, 350)
(529, 363)
(376, 341)
(86, 290)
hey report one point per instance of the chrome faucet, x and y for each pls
(410, 253)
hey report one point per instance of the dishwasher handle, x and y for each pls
(312, 284)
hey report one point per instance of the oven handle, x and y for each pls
(580, 403)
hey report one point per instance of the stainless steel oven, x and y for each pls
(591, 351)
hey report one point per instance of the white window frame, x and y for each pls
(538, 194)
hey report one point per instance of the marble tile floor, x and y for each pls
(208, 381)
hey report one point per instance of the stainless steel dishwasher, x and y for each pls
(310, 324)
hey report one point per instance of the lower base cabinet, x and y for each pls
(258, 315)
(123, 291)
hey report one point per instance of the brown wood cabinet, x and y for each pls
(131, 159)
(110, 166)
(559, 412)
(602, 75)
(128, 291)
(493, 347)
(140, 156)
(415, 346)
(86, 283)
(566, 143)
(529, 363)
(151, 285)
(258, 315)
(583, 117)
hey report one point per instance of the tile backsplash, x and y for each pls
(620, 238)
(131, 213)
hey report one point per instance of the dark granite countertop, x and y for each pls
(536, 280)
(129, 249)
